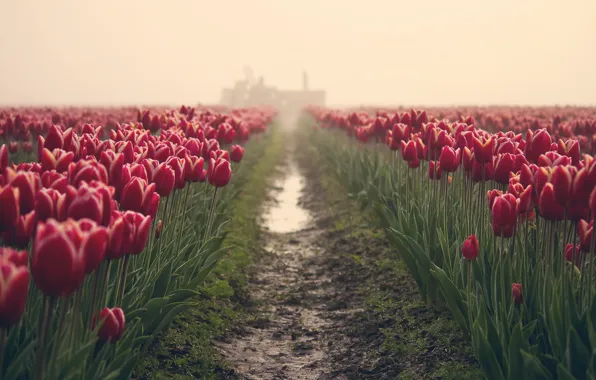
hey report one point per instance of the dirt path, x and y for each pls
(332, 301)
(293, 294)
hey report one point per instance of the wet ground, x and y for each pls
(331, 300)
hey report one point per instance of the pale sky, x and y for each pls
(376, 52)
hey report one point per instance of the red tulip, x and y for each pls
(548, 206)
(585, 230)
(517, 294)
(14, 288)
(400, 132)
(504, 215)
(476, 172)
(193, 168)
(483, 149)
(177, 165)
(434, 170)
(215, 154)
(49, 203)
(3, 157)
(57, 159)
(86, 170)
(54, 180)
(219, 172)
(53, 140)
(491, 196)
(60, 254)
(9, 207)
(28, 184)
(470, 248)
(449, 159)
(18, 258)
(141, 225)
(22, 232)
(93, 201)
(573, 254)
(570, 148)
(140, 197)
(409, 150)
(503, 165)
(537, 143)
(112, 324)
(113, 162)
(562, 180)
(236, 153)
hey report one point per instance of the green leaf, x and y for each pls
(486, 356)
(533, 368)
(563, 373)
(163, 281)
(577, 355)
(18, 367)
(452, 296)
(516, 343)
(167, 320)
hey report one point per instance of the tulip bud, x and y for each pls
(470, 248)
(517, 294)
(158, 229)
(14, 288)
(112, 324)
(236, 153)
(219, 172)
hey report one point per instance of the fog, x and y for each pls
(374, 52)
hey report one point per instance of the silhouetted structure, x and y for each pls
(249, 92)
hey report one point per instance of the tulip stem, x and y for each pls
(210, 220)
(57, 346)
(183, 218)
(48, 305)
(122, 281)
(164, 224)
(2, 344)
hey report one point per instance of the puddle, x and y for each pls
(285, 215)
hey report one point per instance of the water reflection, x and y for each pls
(286, 215)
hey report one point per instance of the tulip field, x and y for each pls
(110, 219)
(492, 210)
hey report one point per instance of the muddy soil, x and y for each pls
(325, 307)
